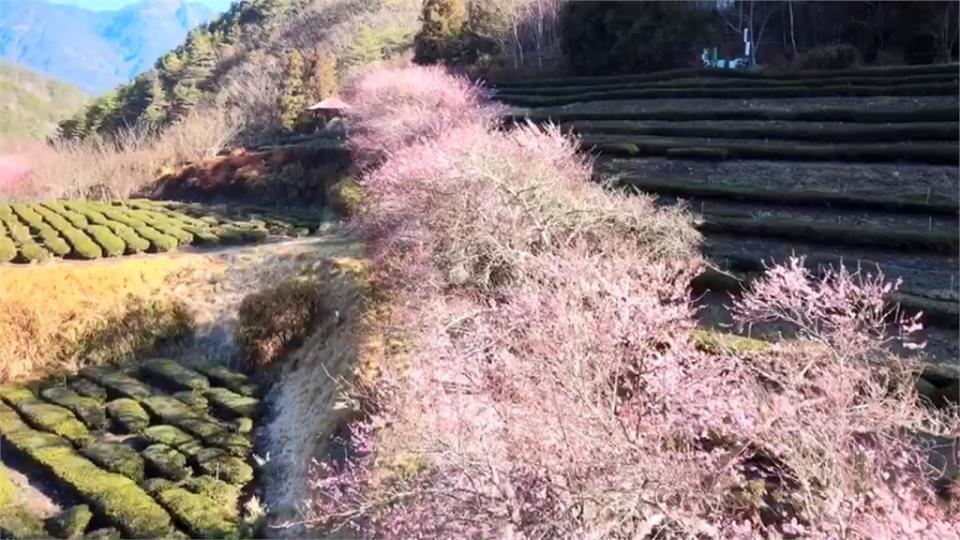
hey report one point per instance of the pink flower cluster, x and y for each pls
(548, 384)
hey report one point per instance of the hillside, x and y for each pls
(262, 61)
(31, 104)
(94, 49)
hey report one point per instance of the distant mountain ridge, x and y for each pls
(31, 104)
(94, 50)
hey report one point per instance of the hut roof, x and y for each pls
(332, 103)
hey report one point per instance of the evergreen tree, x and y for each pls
(201, 57)
(322, 82)
(97, 117)
(293, 99)
(132, 100)
(185, 98)
(71, 128)
(443, 26)
(157, 104)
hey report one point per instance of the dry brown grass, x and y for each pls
(119, 167)
(61, 316)
(346, 347)
(274, 320)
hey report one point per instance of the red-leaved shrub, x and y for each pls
(548, 385)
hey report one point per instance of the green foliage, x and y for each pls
(71, 522)
(83, 246)
(34, 103)
(89, 410)
(371, 44)
(133, 243)
(111, 495)
(322, 81)
(45, 416)
(128, 415)
(202, 516)
(171, 373)
(630, 37)
(166, 462)
(220, 465)
(442, 31)
(8, 248)
(112, 244)
(293, 100)
(29, 251)
(233, 404)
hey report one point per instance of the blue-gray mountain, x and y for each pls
(94, 50)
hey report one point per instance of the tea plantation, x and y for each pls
(155, 450)
(855, 167)
(31, 232)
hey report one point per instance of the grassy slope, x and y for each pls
(31, 104)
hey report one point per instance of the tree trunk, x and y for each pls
(793, 39)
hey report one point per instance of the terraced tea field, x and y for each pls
(32, 232)
(856, 167)
(155, 450)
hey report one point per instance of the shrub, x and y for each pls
(490, 200)
(346, 196)
(29, 250)
(52, 241)
(441, 34)
(272, 321)
(83, 246)
(548, 383)
(133, 242)
(158, 241)
(391, 108)
(76, 219)
(112, 245)
(163, 224)
(28, 215)
(8, 249)
(840, 56)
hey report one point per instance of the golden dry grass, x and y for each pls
(60, 316)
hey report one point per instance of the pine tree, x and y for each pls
(71, 128)
(443, 25)
(323, 80)
(293, 100)
(99, 113)
(185, 98)
(201, 58)
(157, 104)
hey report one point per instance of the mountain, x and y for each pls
(94, 49)
(31, 104)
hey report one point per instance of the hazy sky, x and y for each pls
(219, 5)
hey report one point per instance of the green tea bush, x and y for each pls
(112, 244)
(163, 224)
(134, 242)
(52, 241)
(83, 246)
(158, 241)
(76, 219)
(29, 250)
(27, 214)
(8, 248)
